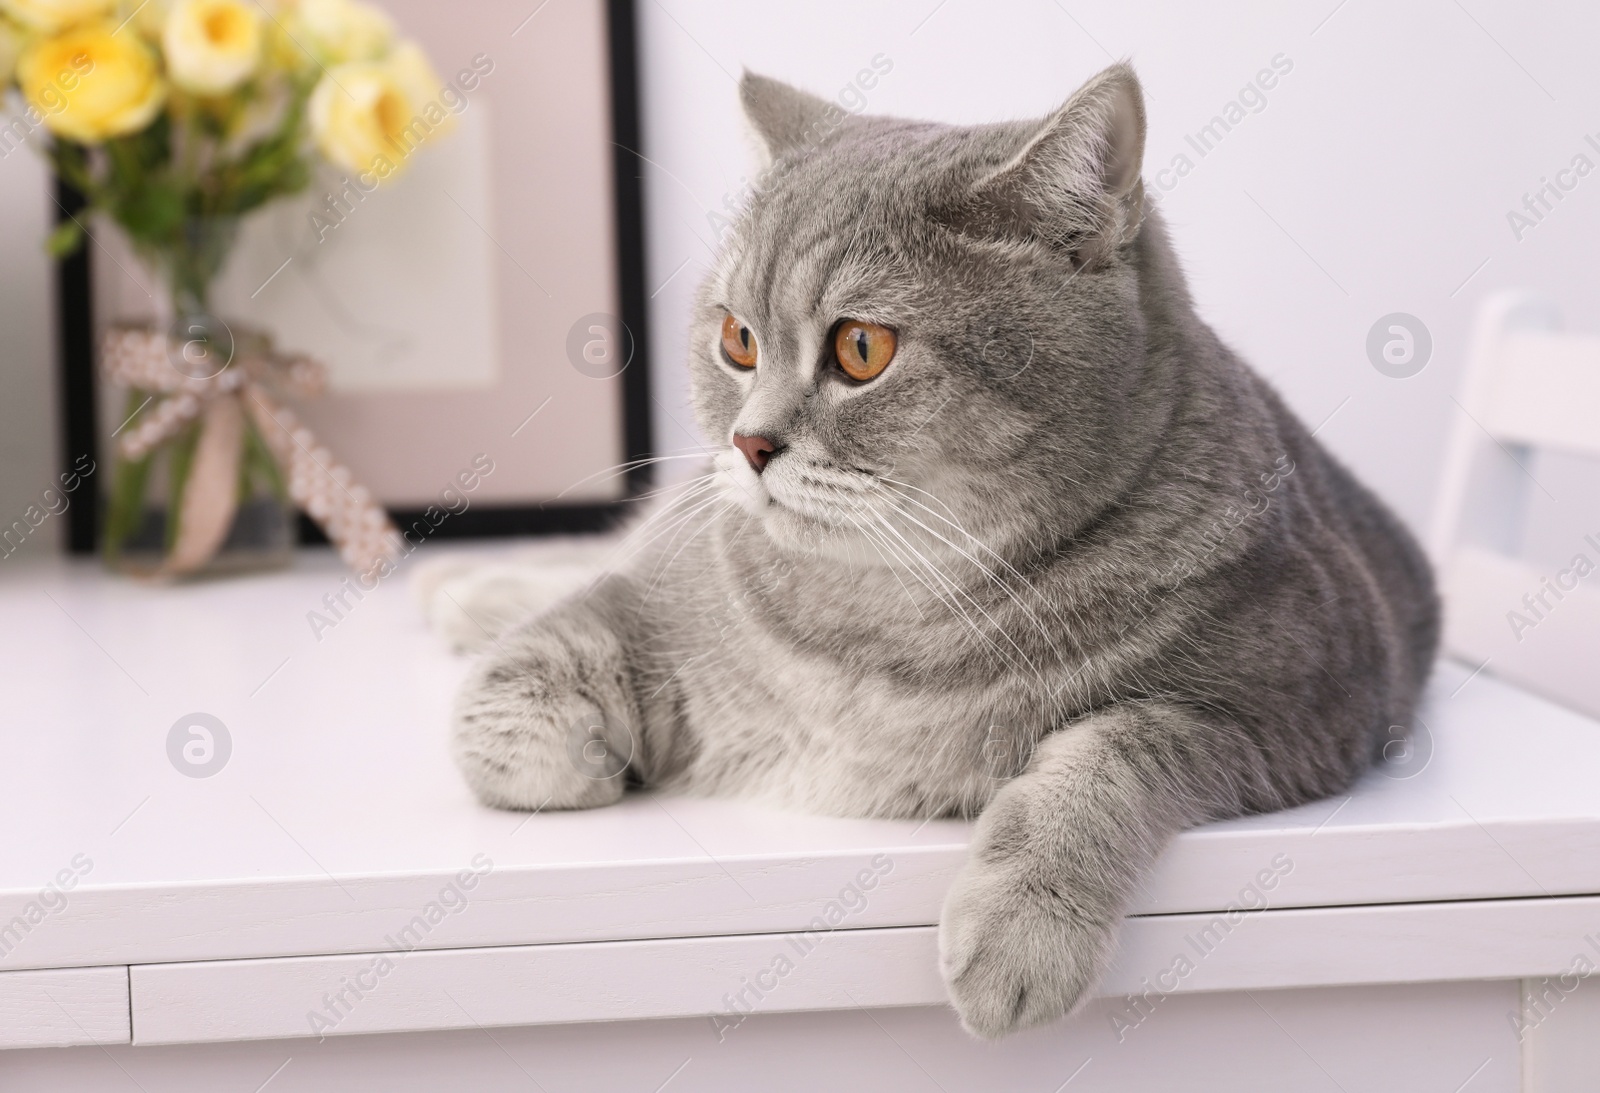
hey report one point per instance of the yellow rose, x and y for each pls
(370, 116)
(212, 46)
(91, 83)
(149, 16)
(50, 16)
(340, 31)
(415, 72)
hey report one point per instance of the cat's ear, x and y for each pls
(1076, 181)
(784, 118)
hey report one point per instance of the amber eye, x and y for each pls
(863, 349)
(738, 342)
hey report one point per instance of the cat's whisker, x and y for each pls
(955, 588)
(897, 487)
(660, 522)
(1052, 612)
(692, 507)
(668, 510)
(989, 574)
(662, 491)
(608, 473)
(913, 566)
(663, 568)
(872, 539)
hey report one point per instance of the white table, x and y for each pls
(219, 914)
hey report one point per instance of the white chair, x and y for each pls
(1528, 387)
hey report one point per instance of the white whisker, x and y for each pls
(933, 569)
(663, 567)
(623, 468)
(993, 579)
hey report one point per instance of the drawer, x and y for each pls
(65, 1007)
(873, 968)
(532, 984)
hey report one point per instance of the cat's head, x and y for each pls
(922, 324)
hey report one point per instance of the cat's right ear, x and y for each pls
(783, 118)
(1075, 182)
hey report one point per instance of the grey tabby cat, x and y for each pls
(997, 527)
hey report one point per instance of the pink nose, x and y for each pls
(757, 450)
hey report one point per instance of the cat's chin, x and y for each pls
(797, 533)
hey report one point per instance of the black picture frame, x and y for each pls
(75, 344)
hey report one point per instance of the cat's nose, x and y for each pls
(757, 450)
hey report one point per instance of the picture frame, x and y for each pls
(605, 490)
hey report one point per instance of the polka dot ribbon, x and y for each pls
(142, 358)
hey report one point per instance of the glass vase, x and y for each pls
(206, 497)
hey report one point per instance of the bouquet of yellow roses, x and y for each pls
(175, 118)
(170, 113)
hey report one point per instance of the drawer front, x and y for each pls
(772, 973)
(66, 1007)
(1413, 1038)
(533, 984)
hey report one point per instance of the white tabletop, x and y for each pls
(338, 815)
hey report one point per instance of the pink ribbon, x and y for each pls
(139, 357)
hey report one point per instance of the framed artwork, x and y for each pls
(481, 316)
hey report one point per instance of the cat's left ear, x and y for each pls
(784, 118)
(1076, 181)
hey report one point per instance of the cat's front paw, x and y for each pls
(530, 730)
(1014, 955)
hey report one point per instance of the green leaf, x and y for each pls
(181, 456)
(151, 209)
(67, 237)
(128, 488)
(138, 154)
(127, 501)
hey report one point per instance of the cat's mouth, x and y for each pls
(797, 499)
(741, 485)
(857, 516)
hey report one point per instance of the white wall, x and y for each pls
(1377, 178)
